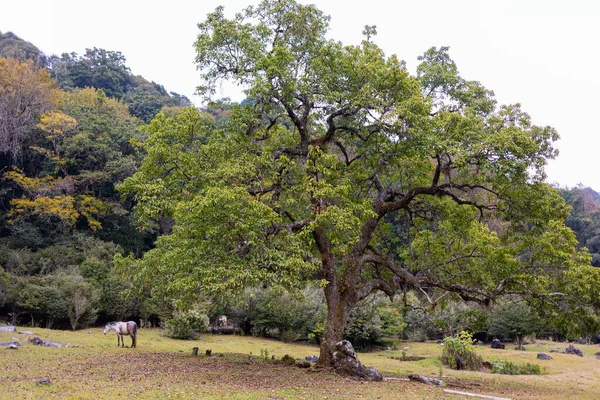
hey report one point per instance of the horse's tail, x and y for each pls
(134, 334)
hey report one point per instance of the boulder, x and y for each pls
(573, 350)
(11, 345)
(497, 344)
(8, 329)
(374, 374)
(345, 362)
(544, 356)
(43, 381)
(312, 358)
(46, 343)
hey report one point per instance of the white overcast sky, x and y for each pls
(541, 53)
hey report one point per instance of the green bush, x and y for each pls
(186, 324)
(509, 368)
(461, 345)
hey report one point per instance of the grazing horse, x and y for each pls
(123, 328)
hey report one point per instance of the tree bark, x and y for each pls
(334, 326)
(340, 302)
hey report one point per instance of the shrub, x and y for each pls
(509, 368)
(461, 345)
(186, 324)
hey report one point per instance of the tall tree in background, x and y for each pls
(338, 143)
(26, 92)
(106, 70)
(98, 68)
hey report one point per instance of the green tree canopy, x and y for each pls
(338, 144)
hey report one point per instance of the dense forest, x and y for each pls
(74, 127)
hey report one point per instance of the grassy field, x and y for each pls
(94, 368)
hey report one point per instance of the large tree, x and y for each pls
(344, 168)
(25, 93)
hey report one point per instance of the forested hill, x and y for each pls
(69, 128)
(100, 69)
(584, 219)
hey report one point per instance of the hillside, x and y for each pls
(100, 69)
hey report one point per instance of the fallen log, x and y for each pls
(426, 380)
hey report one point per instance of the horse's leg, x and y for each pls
(132, 340)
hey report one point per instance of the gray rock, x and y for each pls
(573, 350)
(312, 358)
(12, 346)
(25, 333)
(43, 381)
(544, 356)
(496, 344)
(345, 362)
(9, 344)
(46, 343)
(8, 329)
(374, 374)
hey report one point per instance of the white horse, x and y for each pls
(123, 328)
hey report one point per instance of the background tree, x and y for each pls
(336, 141)
(584, 218)
(26, 92)
(514, 321)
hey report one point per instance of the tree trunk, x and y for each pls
(338, 308)
(339, 294)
